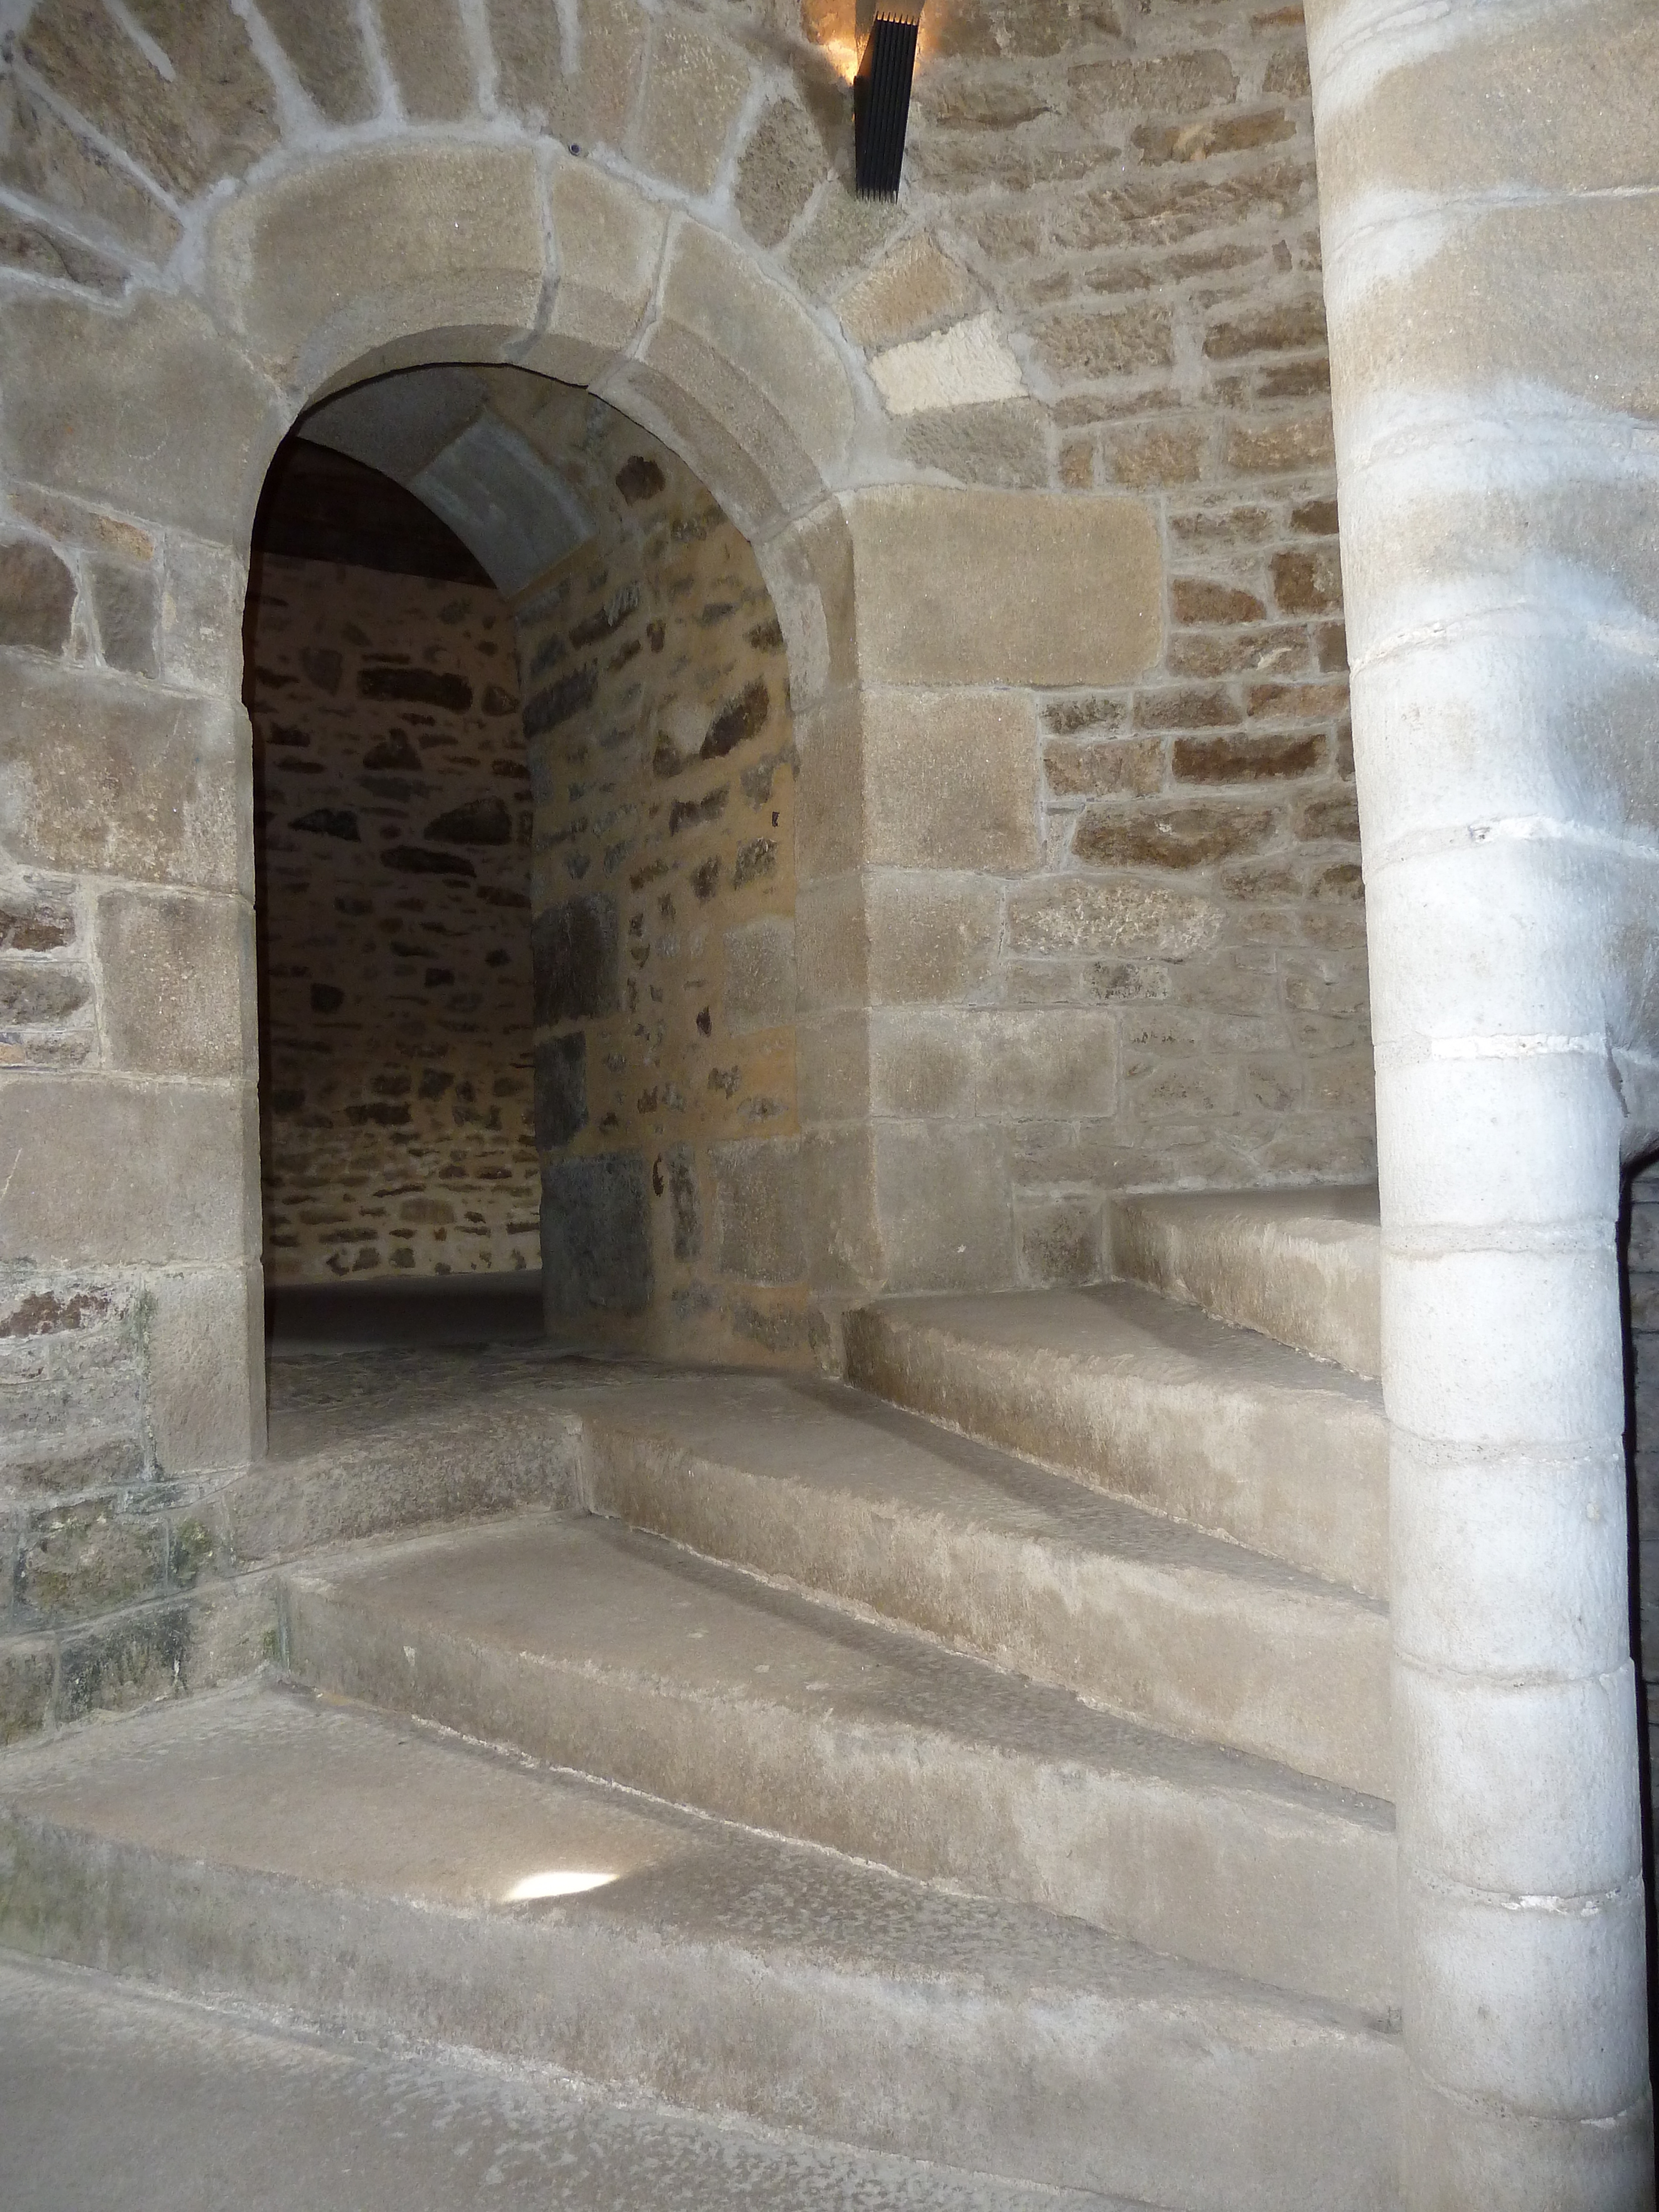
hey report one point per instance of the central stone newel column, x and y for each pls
(1487, 181)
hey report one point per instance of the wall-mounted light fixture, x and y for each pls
(881, 94)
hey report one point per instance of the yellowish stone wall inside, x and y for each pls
(657, 712)
(394, 905)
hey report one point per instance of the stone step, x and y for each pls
(131, 2099)
(852, 1499)
(280, 1850)
(1301, 1266)
(1155, 1402)
(593, 1647)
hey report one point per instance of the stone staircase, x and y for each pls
(983, 1762)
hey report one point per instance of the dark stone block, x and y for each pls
(416, 860)
(37, 597)
(330, 822)
(125, 1662)
(683, 1197)
(560, 1090)
(323, 665)
(419, 687)
(498, 700)
(562, 701)
(480, 822)
(36, 990)
(640, 478)
(595, 1235)
(576, 954)
(326, 998)
(740, 719)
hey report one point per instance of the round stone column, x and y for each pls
(1491, 226)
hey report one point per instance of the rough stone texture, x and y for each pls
(320, 41)
(427, 52)
(656, 694)
(783, 162)
(395, 803)
(37, 597)
(1641, 1266)
(451, 236)
(694, 92)
(214, 113)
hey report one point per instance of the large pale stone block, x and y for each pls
(206, 1339)
(838, 1213)
(1004, 587)
(1460, 110)
(1456, 2154)
(1051, 1062)
(695, 89)
(922, 1065)
(1526, 1788)
(1503, 1347)
(103, 775)
(1541, 1555)
(1555, 294)
(1541, 2008)
(760, 975)
(740, 349)
(365, 248)
(201, 626)
(932, 938)
(832, 829)
(607, 247)
(758, 1208)
(178, 995)
(1530, 1138)
(950, 780)
(945, 1207)
(151, 410)
(832, 1066)
(832, 953)
(1500, 947)
(107, 1171)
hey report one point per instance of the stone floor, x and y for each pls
(114, 2099)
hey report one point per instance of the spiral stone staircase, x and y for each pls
(962, 1785)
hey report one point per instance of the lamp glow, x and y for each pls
(556, 1882)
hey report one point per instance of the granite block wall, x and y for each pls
(394, 821)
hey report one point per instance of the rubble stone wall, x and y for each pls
(394, 903)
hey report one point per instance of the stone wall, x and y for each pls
(1105, 273)
(656, 693)
(394, 893)
(1096, 298)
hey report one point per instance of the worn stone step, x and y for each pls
(849, 1496)
(1155, 1402)
(594, 1647)
(1302, 1265)
(281, 1851)
(131, 2099)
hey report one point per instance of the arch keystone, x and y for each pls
(358, 251)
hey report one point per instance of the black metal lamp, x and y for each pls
(881, 96)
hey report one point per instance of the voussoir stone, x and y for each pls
(362, 250)
(151, 410)
(981, 587)
(694, 91)
(739, 347)
(212, 116)
(589, 103)
(607, 248)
